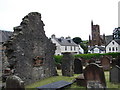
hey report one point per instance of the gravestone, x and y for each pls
(80, 80)
(115, 74)
(105, 62)
(29, 51)
(118, 60)
(78, 68)
(94, 76)
(14, 83)
(67, 64)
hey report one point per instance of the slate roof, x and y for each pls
(65, 42)
(4, 35)
(100, 47)
(108, 38)
(117, 40)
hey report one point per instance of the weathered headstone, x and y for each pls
(115, 74)
(29, 50)
(67, 64)
(78, 68)
(105, 62)
(14, 83)
(118, 60)
(80, 80)
(94, 77)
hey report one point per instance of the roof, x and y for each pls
(116, 40)
(99, 47)
(4, 35)
(108, 38)
(65, 42)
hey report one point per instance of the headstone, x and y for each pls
(29, 50)
(118, 60)
(58, 65)
(14, 83)
(67, 64)
(78, 68)
(94, 77)
(80, 80)
(105, 62)
(115, 74)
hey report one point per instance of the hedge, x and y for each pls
(87, 56)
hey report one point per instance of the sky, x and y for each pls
(63, 17)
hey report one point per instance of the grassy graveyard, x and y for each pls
(69, 79)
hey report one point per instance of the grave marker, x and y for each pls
(115, 74)
(94, 76)
(105, 62)
(78, 68)
(14, 83)
(67, 64)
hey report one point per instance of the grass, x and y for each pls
(109, 84)
(69, 79)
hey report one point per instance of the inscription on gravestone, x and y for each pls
(94, 76)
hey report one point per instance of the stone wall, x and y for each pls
(29, 51)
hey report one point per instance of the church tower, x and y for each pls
(95, 34)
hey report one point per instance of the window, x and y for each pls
(74, 48)
(112, 48)
(65, 48)
(109, 48)
(71, 48)
(116, 48)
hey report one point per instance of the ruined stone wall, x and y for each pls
(29, 51)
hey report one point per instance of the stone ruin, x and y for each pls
(29, 51)
(67, 64)
(94, 77)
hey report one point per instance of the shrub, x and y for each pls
(58, 59)
(86, 56)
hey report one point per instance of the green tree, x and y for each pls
(84, 45)
(77, 40)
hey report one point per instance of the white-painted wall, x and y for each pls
(113, 44)
(61, 49)
(96, 50)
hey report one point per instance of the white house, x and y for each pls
(113, 46)
(96, 49)
(65, 45)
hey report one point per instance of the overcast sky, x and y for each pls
(63, 17)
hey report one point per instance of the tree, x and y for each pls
(84, 45)
(77, 40)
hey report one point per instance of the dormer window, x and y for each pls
(59, 40)
(69, 41)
